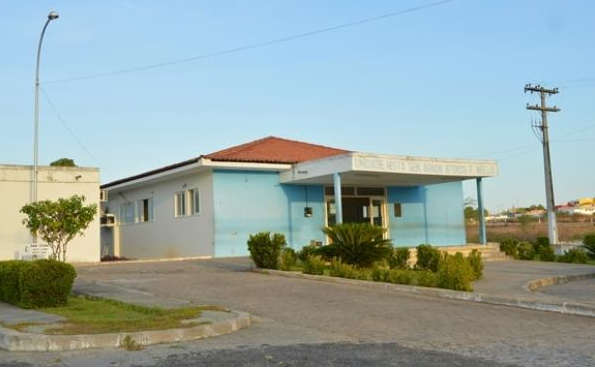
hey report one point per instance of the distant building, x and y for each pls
(208, 206)
(54, 182)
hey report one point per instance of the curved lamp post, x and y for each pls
(51, 16)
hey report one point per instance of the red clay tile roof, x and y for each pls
(267, 150)
(275, 150)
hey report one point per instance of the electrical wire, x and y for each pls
(70, 131)
(252, 46)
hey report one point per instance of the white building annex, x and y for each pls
(54, 183)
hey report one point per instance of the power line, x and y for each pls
(63, 122)
(253, 46)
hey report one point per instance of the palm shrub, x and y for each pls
(455, 273)
(525, 251)
(428, 257)
(314, 265)
(265, 249)
(589, 245)
(360, 245)
(398, 258)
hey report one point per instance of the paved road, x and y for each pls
(295, 319)
(582, 291)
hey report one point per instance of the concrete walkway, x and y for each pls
(12, 315)
(510, 279)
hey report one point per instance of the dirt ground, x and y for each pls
(568, 231)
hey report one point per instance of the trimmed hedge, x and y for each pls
(38, 284)
(428, 257)
(265, 249)
(288, 259)
(314, 265)
(455, 273)
(399, 258)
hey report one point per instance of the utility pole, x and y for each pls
(543, 135)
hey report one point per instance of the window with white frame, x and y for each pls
(194, 197)
(180, 204)
(145, 210)
(127, 213)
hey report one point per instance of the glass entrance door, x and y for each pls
(358, 210)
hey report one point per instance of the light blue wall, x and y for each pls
(247, 202)
(430, 214)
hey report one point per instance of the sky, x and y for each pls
(443, 81)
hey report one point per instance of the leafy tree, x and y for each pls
(472, 214)
(64, 162)
(58, 222)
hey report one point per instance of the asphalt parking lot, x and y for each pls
(303, 322)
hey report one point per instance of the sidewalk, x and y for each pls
(210, 323)
(12, 315)
(513, 278)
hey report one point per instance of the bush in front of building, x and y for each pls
(525, 251)
(37, 284)
(476, 262)
(265, 249)
(540, 243)
(575, 255)
(428, 257)
(509, 246)
(546, 254)
(287, 259)
(589, 245)
(356, 244)
(314, 265)
(399, 258)
(307, 251)
(455, 273)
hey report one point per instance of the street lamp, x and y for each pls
(51, 16)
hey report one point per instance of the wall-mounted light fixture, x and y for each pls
(308, 212)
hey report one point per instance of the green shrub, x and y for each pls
(546, 254)
(360, 245)
(575, 255)
(288, 259)
(455, 273)
(540, 243)
(411, 277)
(525, 251)
(428, 257)
(307, 251)
(340, 269)
(266, 249)
(37, 284)
(589, 245)
(476, 263)
(314, 265)
(379, 274)
(399, 258)
(509, 246)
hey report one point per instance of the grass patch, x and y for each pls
(88, 315)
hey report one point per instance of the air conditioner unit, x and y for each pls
(103, 195)
(107, 220)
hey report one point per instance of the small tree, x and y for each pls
(64, 162)
(58, 222)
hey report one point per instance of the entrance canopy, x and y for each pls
(389, 170)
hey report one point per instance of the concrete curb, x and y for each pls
(19, 341)
(535, 285)
(534, 304)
